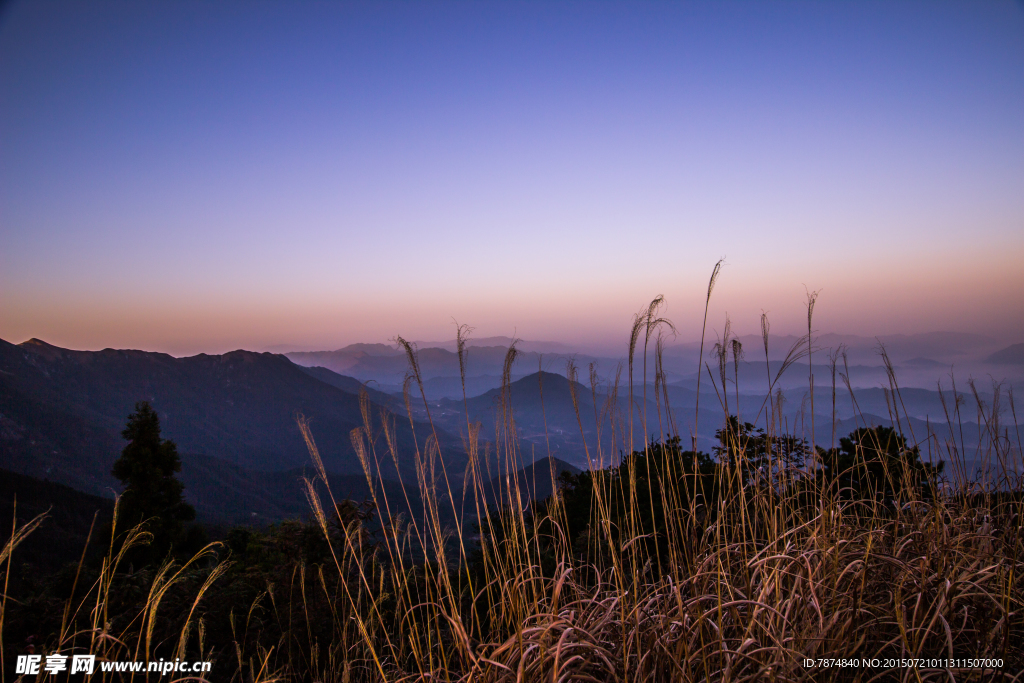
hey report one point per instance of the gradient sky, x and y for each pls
(200, 176)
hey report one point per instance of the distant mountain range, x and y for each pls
(389, 367)
(900, 347)
(234, 415)
(920, 360)
(542, 410)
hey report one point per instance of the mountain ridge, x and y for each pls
(62, 411)
(1011, 355)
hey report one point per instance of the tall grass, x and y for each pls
(679, 571)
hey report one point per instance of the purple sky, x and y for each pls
(197, 176)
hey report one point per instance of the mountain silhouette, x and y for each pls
(1011, 355)
(62, 411)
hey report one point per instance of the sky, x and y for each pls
(193, 176)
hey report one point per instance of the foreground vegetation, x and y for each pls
(665, 564)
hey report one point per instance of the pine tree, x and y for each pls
(153, 495)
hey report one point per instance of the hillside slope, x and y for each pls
(61, 412)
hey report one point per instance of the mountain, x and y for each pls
(351, 385)
(546, 419)
(529, 395)
(535, 481)
(61, 413)
(543, 411)
(484, 366)
(1011, 355)
(343, 359)
(70, 515)
(230, 494)
(451, 387)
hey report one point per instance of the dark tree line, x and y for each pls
(634, 499)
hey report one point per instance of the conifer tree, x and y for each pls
(153, 494)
